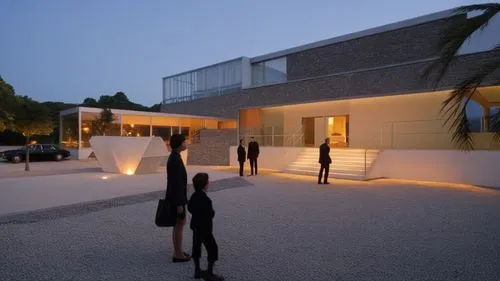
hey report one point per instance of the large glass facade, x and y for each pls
(69, 131)
(214, 80)
(131, 125)
(269, 72)
(90, 129)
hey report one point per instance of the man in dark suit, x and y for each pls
(242, 156)
(325, 161)
(253, 154)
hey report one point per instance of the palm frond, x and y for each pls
(456, 117)
(457, 34)
(477, 7)
(454, 107)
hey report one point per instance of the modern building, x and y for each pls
(77, 126)
(365, 90)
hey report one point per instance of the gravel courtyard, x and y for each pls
(271, 228)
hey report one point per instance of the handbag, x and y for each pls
(164, 215)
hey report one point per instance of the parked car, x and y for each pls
(38, 152)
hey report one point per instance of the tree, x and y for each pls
(54, 109)
(90, 102)
(156, 107)
(120, 97)
(32, 118)
(454, 107)
(103, 123)
(7, 98)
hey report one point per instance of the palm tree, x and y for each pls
(454, 107)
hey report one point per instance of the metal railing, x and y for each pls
(272, 136)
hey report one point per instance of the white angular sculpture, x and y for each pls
(129, 155)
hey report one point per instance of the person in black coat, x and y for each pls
(177, 194)
(242, 156)
(325, 161)
(200, 207)
(253, 154)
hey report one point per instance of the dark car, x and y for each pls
(38, 152)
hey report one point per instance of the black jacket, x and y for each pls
(202, 212)
(253, 150)
(242, 154)
(324, 154)
(176, 180)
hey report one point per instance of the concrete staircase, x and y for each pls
(347, 163)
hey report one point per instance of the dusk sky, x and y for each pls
(61, 50)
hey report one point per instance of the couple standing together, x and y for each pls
(253, 154)
(200, 207)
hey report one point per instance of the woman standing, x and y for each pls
(177, 194)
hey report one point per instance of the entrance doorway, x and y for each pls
(338, 130)
(308, 125)
(316, 129)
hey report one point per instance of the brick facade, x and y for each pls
(213, 148)
(386, 48)
(393, 80)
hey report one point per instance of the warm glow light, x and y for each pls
(129, 172)
(86, 129)
(132, 125)
(465, 187)
(138, 134)
(104, 177)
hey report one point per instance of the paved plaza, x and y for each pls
(270, 227)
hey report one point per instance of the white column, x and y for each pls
(486, 119)
(151, 126)
(60, 129)
(121, 124)
(238, 129)
(79, 129)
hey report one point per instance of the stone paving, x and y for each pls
(274, 228)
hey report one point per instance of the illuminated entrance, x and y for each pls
(316, 129)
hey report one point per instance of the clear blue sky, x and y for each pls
(66, 50)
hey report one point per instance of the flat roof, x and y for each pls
(359, 34)
(136, 112)
(350, 36)
(203, 67)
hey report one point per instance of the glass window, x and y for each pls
(209, 81)
(165, 132)
(185, 131)
(134, 130)
(474, 113)
(269, 72)
(69, 131)
(48, 148)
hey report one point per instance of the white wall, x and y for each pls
(476, 168)
(275, 158)
(319, 131)
(83, 154)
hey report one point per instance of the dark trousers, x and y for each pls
(326, 168)
(242, 164)
(253, 164)
(208, 240)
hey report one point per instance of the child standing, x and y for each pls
(202, 214)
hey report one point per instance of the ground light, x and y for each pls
(129, 172)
